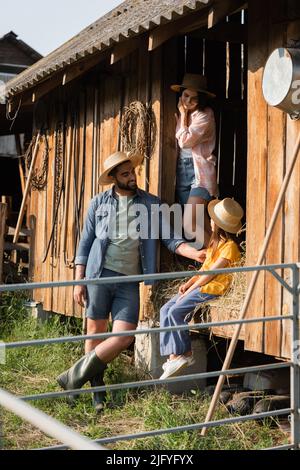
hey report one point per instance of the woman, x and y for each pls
(223, 252)
(196, 181)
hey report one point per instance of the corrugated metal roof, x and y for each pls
(131, 18)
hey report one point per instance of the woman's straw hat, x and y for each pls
(194, 81)
(227, 214)
(116, 159)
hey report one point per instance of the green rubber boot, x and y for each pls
(99, 398)
(81, 372)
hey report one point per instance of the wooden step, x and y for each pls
(24, 232)
(8, 246)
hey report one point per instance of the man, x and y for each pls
(112, 245)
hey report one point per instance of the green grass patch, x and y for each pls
(34, 370)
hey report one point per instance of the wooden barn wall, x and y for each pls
(88, 114)
(271, 139)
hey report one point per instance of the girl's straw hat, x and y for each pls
(117, 159)
(227, 214)
(194, 81)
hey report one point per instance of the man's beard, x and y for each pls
(128, 187)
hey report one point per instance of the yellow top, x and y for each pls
(220, 284)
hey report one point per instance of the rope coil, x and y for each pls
(138, 129)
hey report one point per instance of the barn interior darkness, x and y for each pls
(224, 62)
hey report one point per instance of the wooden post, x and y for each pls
(22, 210)
(2, 232)
(21, 171)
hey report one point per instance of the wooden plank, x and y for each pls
(16, 246)
(156, 98)
(37, 243)
(23, 232)
(27, 189)
(2, 232)
(221, 9)
(220, 314)
(257, 162)
(291, 213)
(169, 157)
(163, 33)
(69, 203)
(40, 204)
(143, 95)
(20, 153)
(61, 78)
(47, 268)
(276, 165)
(235, 58)
(155, 164)
(123, 49)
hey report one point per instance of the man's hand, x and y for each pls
(80, 295)
(189, 252)
(200, 256)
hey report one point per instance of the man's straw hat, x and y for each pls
(194, 81)
(117, 159)
(227, 214)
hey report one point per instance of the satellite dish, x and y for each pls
(281, 81)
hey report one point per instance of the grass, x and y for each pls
(33, 370)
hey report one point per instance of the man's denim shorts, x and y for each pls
(122, 300)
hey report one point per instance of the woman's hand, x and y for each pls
(182, 289)
(181, 107)
(80, 295)
(189, 289)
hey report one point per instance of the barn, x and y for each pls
(78, 94)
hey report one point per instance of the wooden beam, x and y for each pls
(26, 192)
(3, 208)
(124, 48)
(163, 33)
(60, 78)
(77, 69)
(234, 33)
(221, 9)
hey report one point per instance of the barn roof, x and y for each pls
(29, 51)
(131, 18)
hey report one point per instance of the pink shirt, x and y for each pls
(200, 136)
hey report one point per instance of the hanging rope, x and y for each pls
(57, 191)
(138, 129)
(40, 175)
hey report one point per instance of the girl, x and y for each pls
(222, 252)
(196, 137)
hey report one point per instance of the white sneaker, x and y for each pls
(173, 367)
(190, 360)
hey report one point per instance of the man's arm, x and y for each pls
(86, 240)
(184, 249)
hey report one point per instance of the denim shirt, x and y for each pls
(95, 234)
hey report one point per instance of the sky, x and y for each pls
(46, 25)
